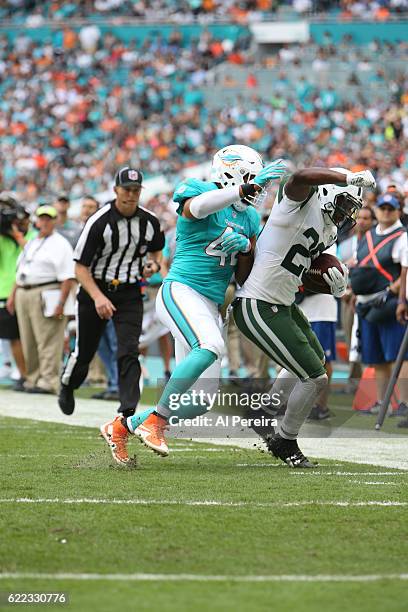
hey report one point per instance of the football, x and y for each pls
(313, 280)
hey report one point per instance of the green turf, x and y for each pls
(44, 460)
(340, 405)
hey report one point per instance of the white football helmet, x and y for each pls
(341, 204)
(235, 165)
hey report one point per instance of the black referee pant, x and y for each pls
(128, 325)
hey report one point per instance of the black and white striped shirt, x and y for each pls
(113, 246)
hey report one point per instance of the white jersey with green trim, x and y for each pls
(294, 234)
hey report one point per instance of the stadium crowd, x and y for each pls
(35, 12)
(80, 105)
(75, 109)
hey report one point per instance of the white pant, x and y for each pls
(194, 321)
(152, 327)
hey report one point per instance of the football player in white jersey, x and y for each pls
(310, 207)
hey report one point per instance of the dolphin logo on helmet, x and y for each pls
(234, 165)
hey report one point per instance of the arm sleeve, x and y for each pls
(212, 201)
(158, 240)
(89, 241)
(189, 189)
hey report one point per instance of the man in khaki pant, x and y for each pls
(46, 263)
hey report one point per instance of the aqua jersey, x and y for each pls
(198, 261)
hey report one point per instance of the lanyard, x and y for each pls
(24, 257)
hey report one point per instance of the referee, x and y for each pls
(109, 263)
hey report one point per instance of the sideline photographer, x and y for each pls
(14, 233)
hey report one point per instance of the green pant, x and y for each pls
(283, 333)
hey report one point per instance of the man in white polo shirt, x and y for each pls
(45, 264)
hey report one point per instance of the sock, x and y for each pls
(137, 419)
(184, 376)
(299, 404)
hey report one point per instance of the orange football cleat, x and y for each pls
(151, 433)
(116, 436)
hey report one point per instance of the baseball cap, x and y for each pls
(45, 209)
(397, 191)
(388, 199)
(128, 177)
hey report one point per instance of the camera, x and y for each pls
(10, 212)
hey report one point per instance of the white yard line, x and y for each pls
(320, 473)
(200, 450)
(317, 472)
(363, 447)
(204, 503)
(202, 577)
(373, 483)
(31, 456)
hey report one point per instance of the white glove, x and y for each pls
(361, 179)
(337, 281)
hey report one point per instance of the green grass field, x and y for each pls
(204, 511)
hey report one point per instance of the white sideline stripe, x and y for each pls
(204, 578)
(210, 502)
(298, 472)
(370, 482)
(198, 449)
(322, 473)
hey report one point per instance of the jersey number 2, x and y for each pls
(306, 252)
(213, 251)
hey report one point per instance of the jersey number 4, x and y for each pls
(213, 250)
(305, 252)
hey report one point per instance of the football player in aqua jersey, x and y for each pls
(216, 231)
(310, 206)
